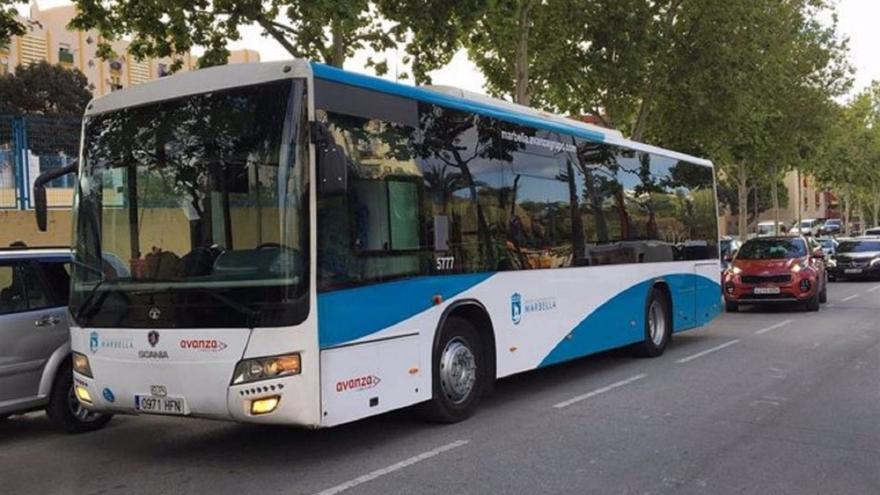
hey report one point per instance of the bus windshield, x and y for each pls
(203, 198)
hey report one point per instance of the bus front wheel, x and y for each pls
(458, 367)
(658, 325)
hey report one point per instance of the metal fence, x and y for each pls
(30, 146)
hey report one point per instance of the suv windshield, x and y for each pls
(858, 246)
(203, 197)
(771, 249)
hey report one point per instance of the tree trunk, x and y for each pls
(774, 192)
(521, 64)
(337, 56)
(799, 201)
(742, 207)
(844, 199)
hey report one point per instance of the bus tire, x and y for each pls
(65, 411)
(823, 294)
(458, 373)
(658, 325)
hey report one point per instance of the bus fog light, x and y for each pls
(266, 405)
(83, 394)
(251, 370)
(81, 365)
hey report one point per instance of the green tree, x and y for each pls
(324, 30)
(9, 24)
(44, 89)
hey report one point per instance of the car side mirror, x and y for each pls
(41, 205)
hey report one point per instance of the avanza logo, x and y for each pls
(210, 345)
(359, 383)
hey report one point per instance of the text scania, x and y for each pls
(359, 383)
(211, 345)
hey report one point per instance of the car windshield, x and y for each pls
(806, 224)
(201, 199)
(832, 223)
(771, 249)
(858, 246)
(826, 243)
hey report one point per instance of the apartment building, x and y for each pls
(48, 38)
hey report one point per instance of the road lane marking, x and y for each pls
(707, 351)
(598, 391)
(872, 289)
(850, 298)
(773, 327)
(392, 468)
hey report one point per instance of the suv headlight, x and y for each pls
(875, 262)
(251, 370)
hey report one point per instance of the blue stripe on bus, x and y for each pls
(351, 314)
(322, 71)
(620, 321)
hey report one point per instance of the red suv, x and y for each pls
(776, 269)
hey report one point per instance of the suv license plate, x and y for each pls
(853, 270)
(160, 405)
(766, 290)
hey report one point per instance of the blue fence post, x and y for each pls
(19, 156)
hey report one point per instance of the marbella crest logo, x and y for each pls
(516, 308)
(94, 342)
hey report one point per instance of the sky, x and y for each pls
(858, 20)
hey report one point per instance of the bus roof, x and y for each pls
(236, 75)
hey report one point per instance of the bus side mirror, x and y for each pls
(331, 161)
(41, 206)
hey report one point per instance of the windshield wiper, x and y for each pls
(91, 304)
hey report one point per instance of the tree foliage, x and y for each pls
(44, 89)
(9, 24)
(324, 30)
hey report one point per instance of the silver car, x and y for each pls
(35, 360)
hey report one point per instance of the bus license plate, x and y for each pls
(766, 290)
(853, 270)
(160, 405)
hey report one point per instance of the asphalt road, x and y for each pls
(765, 402)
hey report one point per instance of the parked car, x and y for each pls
(774, 270)
(857, 259)
(873, 231)
(832, 226)
(829, 246)
(808, 226)
(35, 361)
(728, 248)
(766, 229)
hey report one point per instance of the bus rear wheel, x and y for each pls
(458, 371)
(658, 325)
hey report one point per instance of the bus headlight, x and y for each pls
(81, 364)
(251, 370)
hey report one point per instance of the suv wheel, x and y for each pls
(65, 410)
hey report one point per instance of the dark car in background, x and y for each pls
(857, 259)
(832, 226)
(770, 270)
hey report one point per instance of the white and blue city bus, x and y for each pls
(309, 246)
